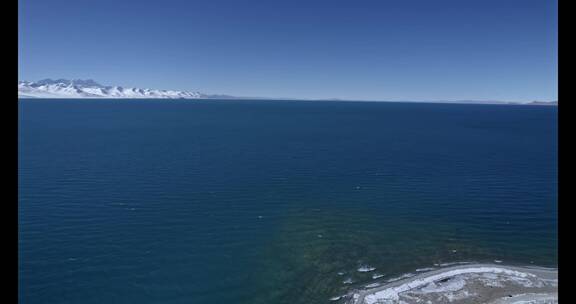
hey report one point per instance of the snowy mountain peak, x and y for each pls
(78, 82)
(78, 88)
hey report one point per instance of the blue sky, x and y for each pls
(364, 50)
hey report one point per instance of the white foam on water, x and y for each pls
(377, 276)
(451, 264)
(366, 268)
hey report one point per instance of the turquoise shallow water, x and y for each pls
(273, 202)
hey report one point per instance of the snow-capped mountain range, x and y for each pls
(63, 88)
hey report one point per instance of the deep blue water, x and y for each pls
(265, 202)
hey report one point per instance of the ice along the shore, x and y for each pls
(465, 284)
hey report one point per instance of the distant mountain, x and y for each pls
(63, 88)
(78, 88)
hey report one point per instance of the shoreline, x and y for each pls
(468, 283)
(503, 103)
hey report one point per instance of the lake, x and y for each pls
(200, 201)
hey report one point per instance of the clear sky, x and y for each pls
(368, 50)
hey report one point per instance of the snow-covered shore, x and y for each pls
(473, 283)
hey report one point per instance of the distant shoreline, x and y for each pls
(549, 104)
